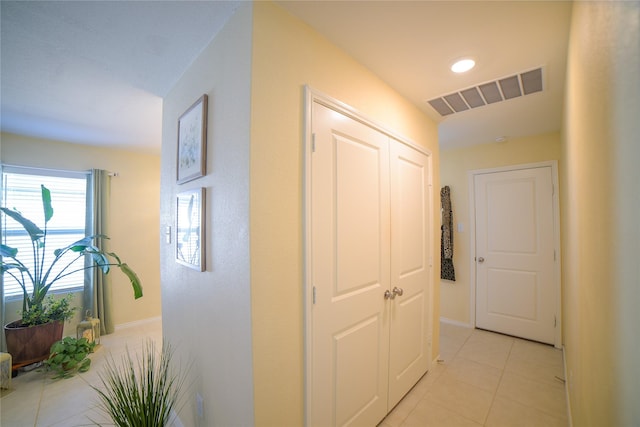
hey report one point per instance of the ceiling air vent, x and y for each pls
(488, 93)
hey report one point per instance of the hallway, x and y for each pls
(486, 379)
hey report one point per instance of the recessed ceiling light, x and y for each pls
(463, 65)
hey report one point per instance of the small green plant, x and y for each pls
(70, 355)
(140, 393)
(52, 309)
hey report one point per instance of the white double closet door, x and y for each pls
(370, 255)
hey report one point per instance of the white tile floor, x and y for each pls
(35, 400)
(485, 379)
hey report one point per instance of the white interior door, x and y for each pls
(350, 264)
(409, 354)
(515, 260)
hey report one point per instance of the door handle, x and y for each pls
(398, 291)
(481, 260)
(389, 295)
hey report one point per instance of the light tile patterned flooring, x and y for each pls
(35, 400)
(486, 379)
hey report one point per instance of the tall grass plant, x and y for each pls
(141, 391)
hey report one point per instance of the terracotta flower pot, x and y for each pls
(31, 344)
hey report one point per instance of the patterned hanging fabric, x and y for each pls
(446, 243)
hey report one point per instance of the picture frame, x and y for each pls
(192, 141)
(190, 228)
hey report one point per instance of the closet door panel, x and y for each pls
(410, 268)
(350, 271)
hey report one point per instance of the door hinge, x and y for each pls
(555, 321)
(554, 255)
(313, 142)
(314, 295)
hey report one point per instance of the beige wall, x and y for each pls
(207, 315)
(601, 213)
(454, 167)
(134, 211)
(287, 54)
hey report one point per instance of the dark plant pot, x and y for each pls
(31, 344)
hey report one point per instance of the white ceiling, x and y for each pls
(95, 72)
(411, 45)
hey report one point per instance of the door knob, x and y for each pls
(398, 291)
(481, 259)
(389, 295)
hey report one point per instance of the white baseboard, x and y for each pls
(566, 387)
(137, 323)
(455, 322)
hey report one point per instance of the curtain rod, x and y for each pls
(34, 168)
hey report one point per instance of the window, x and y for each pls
(21, 191)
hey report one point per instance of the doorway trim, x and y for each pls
(553, 164)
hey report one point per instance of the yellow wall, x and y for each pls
(601, 213)
(134, 210)
(454, 166)
(287, 54)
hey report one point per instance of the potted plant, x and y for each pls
(42, 318)
(143, 392)
(70, 355)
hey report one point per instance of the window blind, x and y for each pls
(21, 191)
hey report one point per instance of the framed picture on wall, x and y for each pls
(190, 224)
(192, 141)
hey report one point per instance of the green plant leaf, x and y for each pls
(77, 246)
(85, 365)
(100, 259)
(46, 203)
(8, 251)
(10, 265)
(35, 233)
(133, 277)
